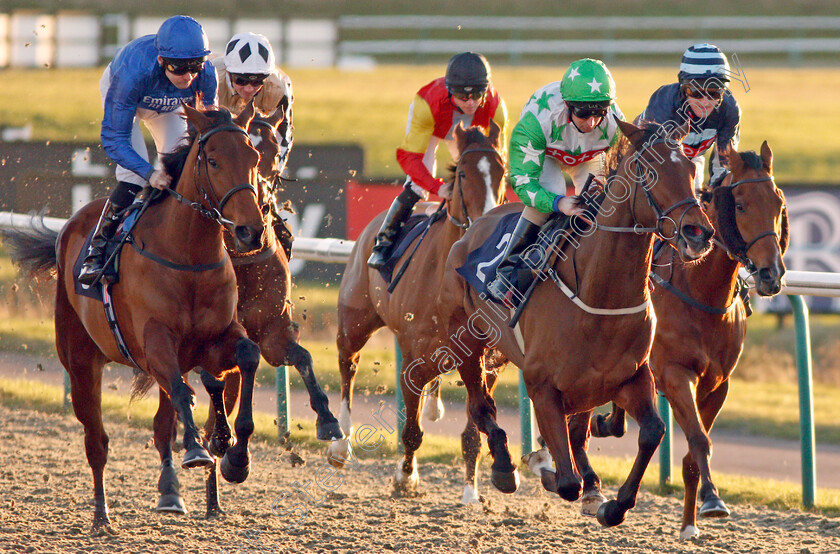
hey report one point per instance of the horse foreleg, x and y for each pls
(613, 424)
(471, 450)
(637, 396)
(554, 428)
(217, 429)
(482, 409)
(236, 463)
(326, 425)
(165, 427)
(579, 426)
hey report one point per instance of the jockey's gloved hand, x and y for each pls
(569, 205)
(160, 180)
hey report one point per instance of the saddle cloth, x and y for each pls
(412, 229)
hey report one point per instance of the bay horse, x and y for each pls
(701, 325)
(175, 302)
(265, 310)
(579, 348)
(365, 305)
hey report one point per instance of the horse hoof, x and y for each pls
(214, 512)
(218, 447)
(197, 457)
(234, 473)
(570, 491)
(590, 503)
(548, 478)
(689, 532)
(609, 514)
(714, 507)
(505, 482)
(171, 503)
(328, 431)
(470, 496)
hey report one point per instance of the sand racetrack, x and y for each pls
(46, 506)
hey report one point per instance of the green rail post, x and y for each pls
(526, 418)
(665, 458)
(806, 400)
(67, 397)
(281, 381)
(400, 403)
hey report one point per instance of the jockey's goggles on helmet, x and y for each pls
(585, 110)
(463, 95)
(245, 79)
(708, 93)
(183, 66)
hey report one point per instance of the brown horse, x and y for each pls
(576, 349)
(264, 284)
(364, 305)
(701, 326)
(175, 302)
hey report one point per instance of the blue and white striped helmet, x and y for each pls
(704, 61)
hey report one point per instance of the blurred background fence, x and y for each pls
(77, 39)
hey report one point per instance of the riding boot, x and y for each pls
(109, 221)
(394, 220)
(512, 277)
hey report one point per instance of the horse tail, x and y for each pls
(32, 249)
(140, 384)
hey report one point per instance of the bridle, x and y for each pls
(214, 212)
(662, 216)
(740, 253)
(458, 173)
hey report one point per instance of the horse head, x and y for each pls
(751, 217)
(656, 165)
(225, 173)
(479, 183)
(263, 133)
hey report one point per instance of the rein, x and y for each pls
(740, 254)
(466, 225)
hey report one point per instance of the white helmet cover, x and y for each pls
(249, 53)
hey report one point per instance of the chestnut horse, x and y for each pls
(175, 302)
(578, 349)
(700, 323)
(364, 305)
(264, 309)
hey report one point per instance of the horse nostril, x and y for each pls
(767, 275)
(696, 234)
(244, 234)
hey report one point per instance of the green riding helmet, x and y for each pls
(587, 80)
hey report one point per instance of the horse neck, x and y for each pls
(189, 236)
(613, 267)
(712, 280)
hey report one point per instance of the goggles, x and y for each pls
(709, 93)
(183, 66)
(245, 79)
(474, 95)
(585, 111)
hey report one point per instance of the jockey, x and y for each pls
(147, 80)
(566, 126)
(702, 98)
(246, 72)
(465, 95)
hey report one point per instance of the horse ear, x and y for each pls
(495, 131)
(767, 157)
(629, 130)
(681, 132)
(735, 160)
(277, 117)
(246, 115)
(200, 121)
(460, 135)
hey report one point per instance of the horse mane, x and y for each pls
(752, 160)
(173, 162)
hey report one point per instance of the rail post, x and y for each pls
(806, 400)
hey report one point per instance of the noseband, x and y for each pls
(466, 225)
(216, 205)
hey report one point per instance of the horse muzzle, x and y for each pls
(247, 238)
(694, 241)
(769, 280)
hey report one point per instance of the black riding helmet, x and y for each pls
(467, 72)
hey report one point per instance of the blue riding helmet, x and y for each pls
(182, 37)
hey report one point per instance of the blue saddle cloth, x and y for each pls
(412, 229)
(480, 267)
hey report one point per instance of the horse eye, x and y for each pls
(212, 162)
(739, 207)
